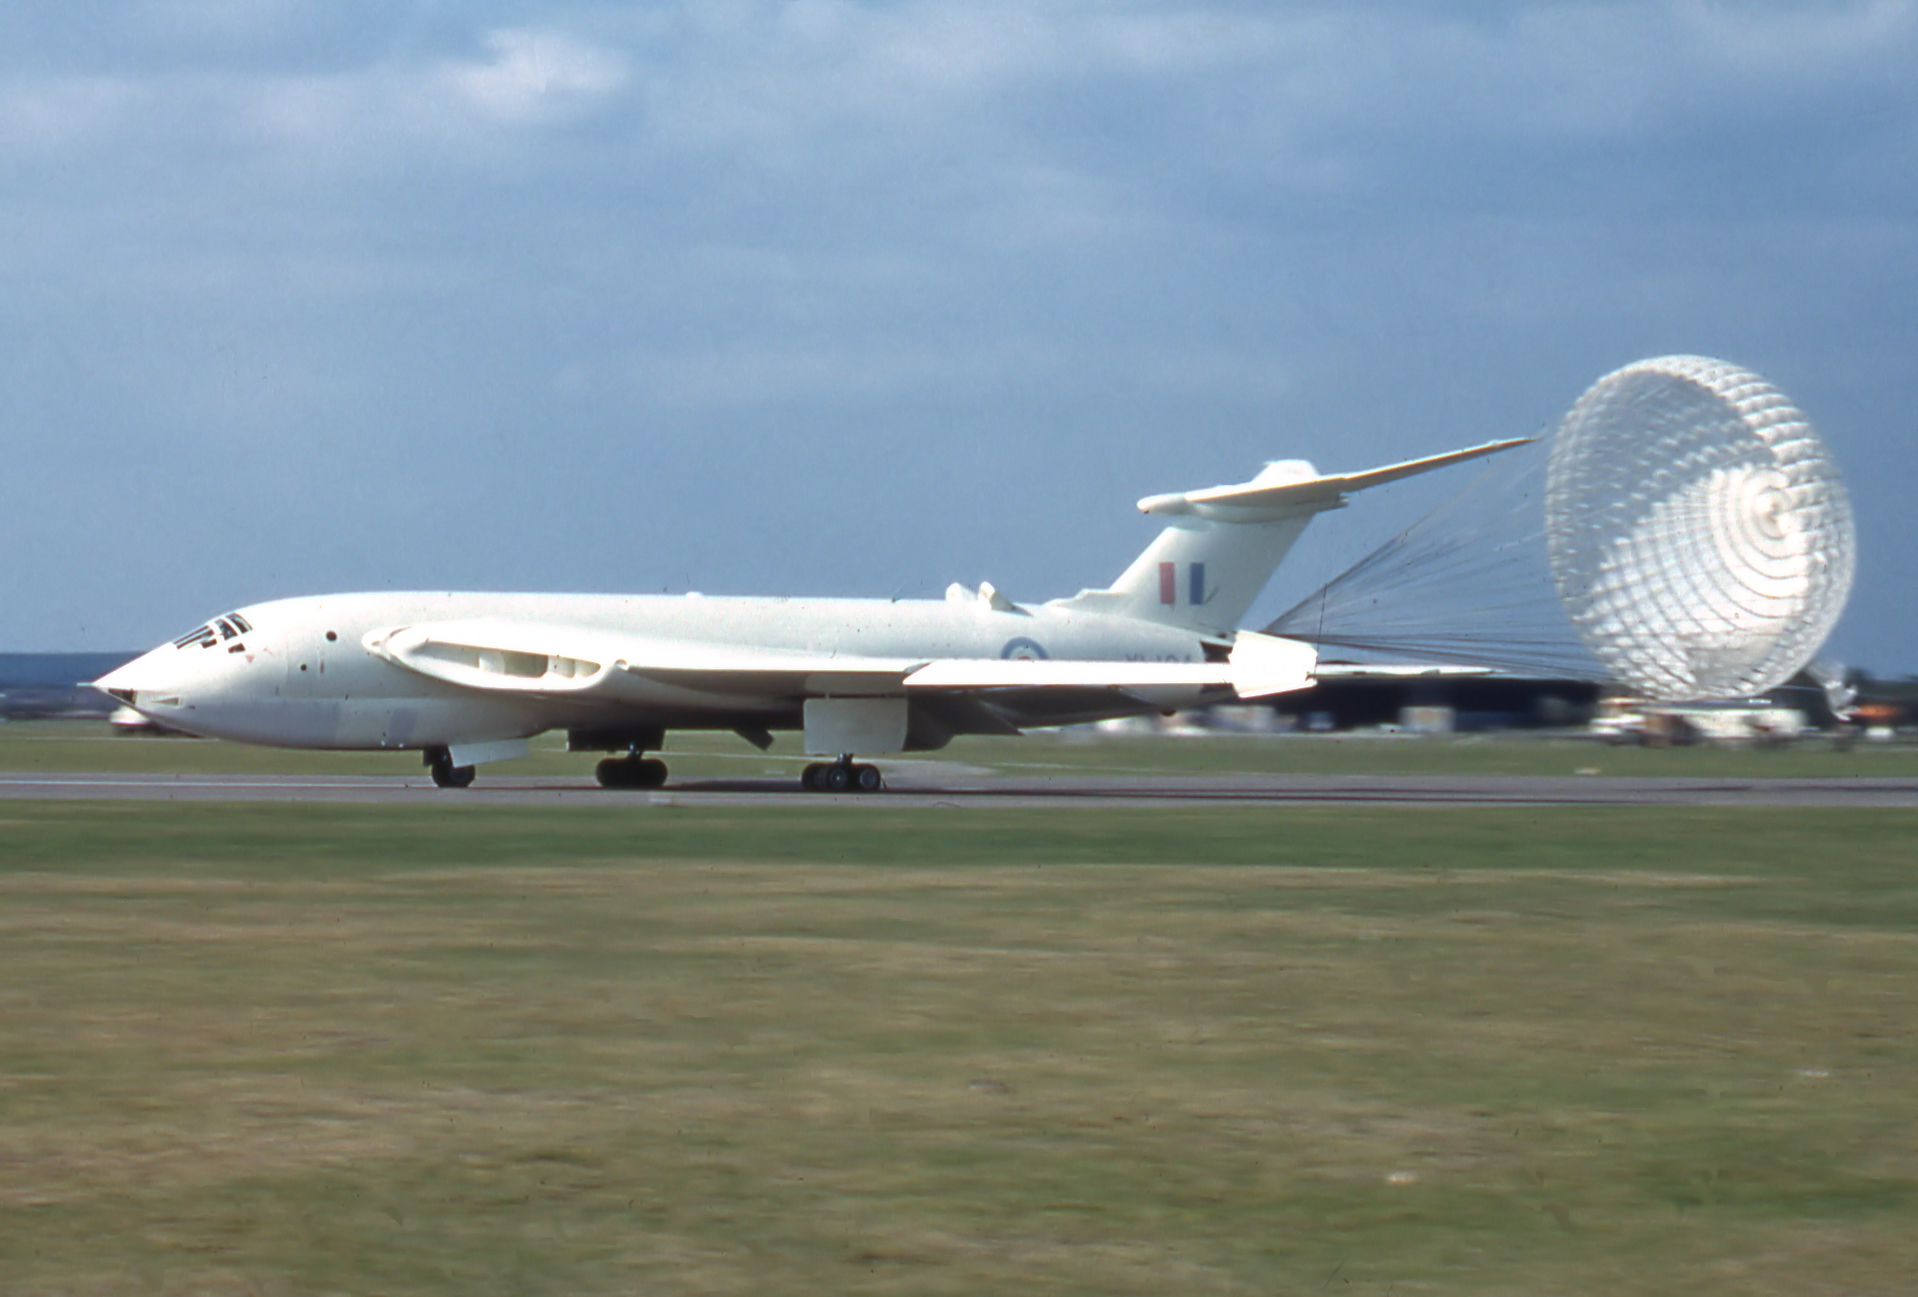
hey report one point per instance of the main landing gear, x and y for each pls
(439, 763)
(632, 771)
(841, 776)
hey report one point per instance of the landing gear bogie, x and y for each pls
(631, 772)
(843, 776)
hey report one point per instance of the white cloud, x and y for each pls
(751, 72)
(527, 82)
(983, 98)
(532, 77)
(530, 82)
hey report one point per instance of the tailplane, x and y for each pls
(1222, 544)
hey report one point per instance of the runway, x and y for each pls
(932, 784)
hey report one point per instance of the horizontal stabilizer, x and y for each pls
(1292, 486)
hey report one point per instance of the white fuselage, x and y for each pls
(301, 672)
(470, 677)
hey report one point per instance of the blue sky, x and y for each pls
(844, 298)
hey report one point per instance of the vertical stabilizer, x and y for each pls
(1222, 544)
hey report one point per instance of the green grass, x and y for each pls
(470, 1049)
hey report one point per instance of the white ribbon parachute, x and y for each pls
(1682, 533)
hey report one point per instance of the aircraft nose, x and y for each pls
(145, 680)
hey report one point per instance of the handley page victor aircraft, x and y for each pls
(469, 678)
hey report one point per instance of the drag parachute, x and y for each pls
(1682, 533)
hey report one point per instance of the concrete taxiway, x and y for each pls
(960, 786)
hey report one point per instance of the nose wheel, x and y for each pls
(841, 776)
(445, 774)
(631, 772)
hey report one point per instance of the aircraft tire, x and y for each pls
(447, 775)
(835, 779)
(866, 779)
(809, 777)
(630, 772)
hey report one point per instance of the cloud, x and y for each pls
(524, 82)
(532, 77)
(528, 83)
(1065, 117)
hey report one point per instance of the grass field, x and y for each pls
(258, 1049)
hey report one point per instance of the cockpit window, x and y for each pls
(229, 627)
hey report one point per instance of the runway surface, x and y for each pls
(931, 785)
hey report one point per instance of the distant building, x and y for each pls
(1456, 703)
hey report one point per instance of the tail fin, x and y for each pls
(1223, 543)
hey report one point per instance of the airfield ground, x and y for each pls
(265, 1048)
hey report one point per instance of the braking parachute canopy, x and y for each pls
(1682, 532)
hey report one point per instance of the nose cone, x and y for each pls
(194, 682)
(157, 684)
(146, 673)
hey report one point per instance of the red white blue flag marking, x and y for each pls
(1169, 584)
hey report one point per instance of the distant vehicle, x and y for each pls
(125, 720)
(1624, 720)
(470, 678)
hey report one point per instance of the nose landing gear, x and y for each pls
(439, 763)
(841, 776)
